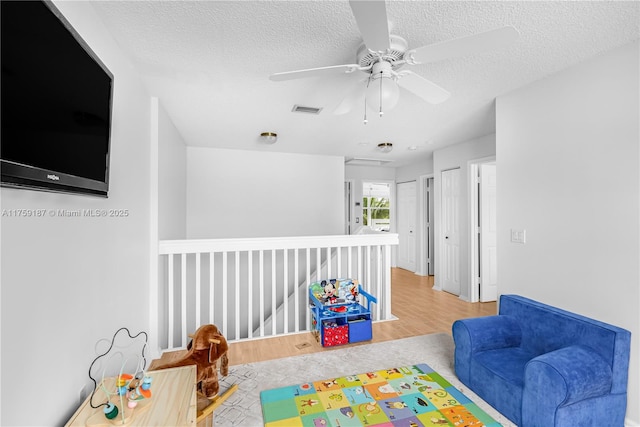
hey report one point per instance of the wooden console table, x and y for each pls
(173, 402)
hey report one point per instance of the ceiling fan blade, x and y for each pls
(468, 45)
(313, 72)
(425, 89)
(371, 17)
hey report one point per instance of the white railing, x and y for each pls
(252, 288)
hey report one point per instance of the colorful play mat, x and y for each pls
(411, 396)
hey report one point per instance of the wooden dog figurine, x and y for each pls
(206, 347)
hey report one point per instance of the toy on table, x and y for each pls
(335, 291)
(127, 392)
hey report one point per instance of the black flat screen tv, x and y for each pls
(56, 104)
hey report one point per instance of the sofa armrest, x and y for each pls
(480, 334)
(560, 378)
(487, 333)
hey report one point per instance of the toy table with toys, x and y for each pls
(174, 403)
(337, 317)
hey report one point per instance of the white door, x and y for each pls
(488, 234)
(450, 231)
(407, 225)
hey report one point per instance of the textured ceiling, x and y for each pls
(209, 63)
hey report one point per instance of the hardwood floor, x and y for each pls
(420, 310)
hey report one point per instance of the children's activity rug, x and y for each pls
(410, 396)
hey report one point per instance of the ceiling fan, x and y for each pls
(382, 55)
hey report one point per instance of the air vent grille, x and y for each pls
(308, 110)
(365, 162)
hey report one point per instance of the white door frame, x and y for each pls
(473, 167)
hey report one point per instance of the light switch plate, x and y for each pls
(518, 236)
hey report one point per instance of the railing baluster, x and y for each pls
(306, 290)
(170, 301)
(183, 301)
(368, 271)
(387, 280)
(225, 289)
(250, 295)
(285, 290)
(212, 270)
(237, 282)
(198, 303)
(261, 293)
(318, 264)
(360, 265)
(273, 292)
(296, 285)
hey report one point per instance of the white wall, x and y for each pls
(172, 180)
(458, 156)
(68, 282)
(414, 171)
(568, 170)
(236, 193)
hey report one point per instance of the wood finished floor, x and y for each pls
(420, 310)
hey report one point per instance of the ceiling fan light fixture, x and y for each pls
(385, 147)
(382, 92)
(269, 137)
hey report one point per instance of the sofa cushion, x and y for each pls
(498, 376)
(507, 363)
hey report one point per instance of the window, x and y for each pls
(376, 206)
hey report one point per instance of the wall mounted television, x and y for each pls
(56, 104)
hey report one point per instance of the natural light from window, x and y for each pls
(376, 207)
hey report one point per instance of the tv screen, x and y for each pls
(56, 104)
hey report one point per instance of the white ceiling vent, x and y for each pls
(309, 110)
(365, 162)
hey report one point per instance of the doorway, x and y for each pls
(376, 205)
(429, 226)
(483, 257)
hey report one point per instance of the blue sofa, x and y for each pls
(544, 367)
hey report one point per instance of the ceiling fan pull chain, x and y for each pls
(365, 100)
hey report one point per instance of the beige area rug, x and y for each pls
(243, 408)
